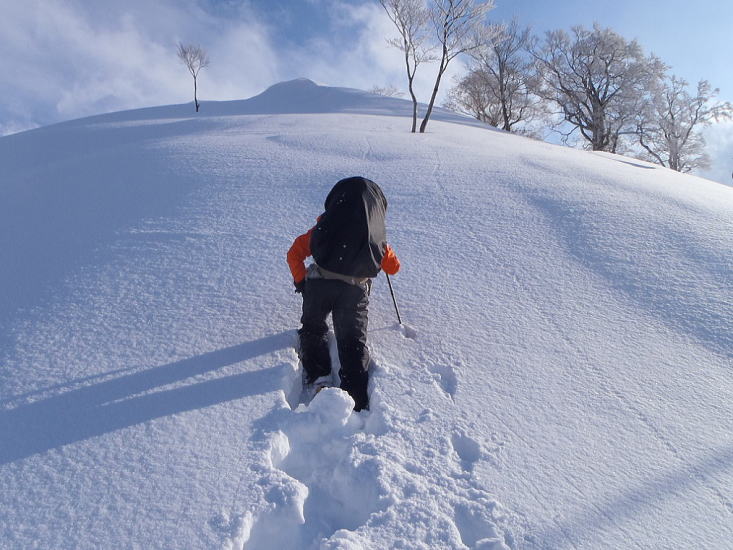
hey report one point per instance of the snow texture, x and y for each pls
(562, 380)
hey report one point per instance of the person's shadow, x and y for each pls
(101, 407)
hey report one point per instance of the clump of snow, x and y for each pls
(332, 407)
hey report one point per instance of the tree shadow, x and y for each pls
(632, 503)
(696, 311)
(103, 407)
(636, 164)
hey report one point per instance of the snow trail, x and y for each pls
(332, 478)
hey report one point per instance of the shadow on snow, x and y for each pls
(111, 405)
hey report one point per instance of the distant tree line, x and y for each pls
(591, 85)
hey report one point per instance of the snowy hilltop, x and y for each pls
(563, 378)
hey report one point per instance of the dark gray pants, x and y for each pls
(348, 305)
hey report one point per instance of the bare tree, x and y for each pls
(456, 25)
(195, 58)
(386, 91)
(597, 78)
(669, 133)
(502, 79)
(472, 96)
(410, 17)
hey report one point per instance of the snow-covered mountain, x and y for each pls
(564, 378)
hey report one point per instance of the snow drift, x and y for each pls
(566, 382)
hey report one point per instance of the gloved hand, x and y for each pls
(300, 287)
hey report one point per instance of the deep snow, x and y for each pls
(566, 382)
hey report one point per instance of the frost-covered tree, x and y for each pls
(670, 132)
(410, 17)
(386, 91)
(598, 79)
(471, 96)
(456, 24)
(499, 87)
(195, 58)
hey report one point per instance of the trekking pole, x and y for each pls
(394, 301)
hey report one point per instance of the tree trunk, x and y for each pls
(503, 99)
(414, 108)
(600, 136)
(443, 66)
(674, 162)
(640, 135)
(410, 78)
(195, 99)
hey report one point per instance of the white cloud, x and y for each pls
(243, 63)
(70, 59)
(365, 60)
(76, 58)
(719, 145)
(361, 61)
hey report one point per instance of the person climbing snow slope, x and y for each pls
(349, 248)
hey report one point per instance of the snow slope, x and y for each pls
(565, 380)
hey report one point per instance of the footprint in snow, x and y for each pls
(474, 521)
(467, 448)
(445, 377)
(317, 465)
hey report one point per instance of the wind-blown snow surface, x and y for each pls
(567, 382)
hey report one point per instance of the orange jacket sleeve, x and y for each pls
(297, 254)
(301, 249)
(390, 263)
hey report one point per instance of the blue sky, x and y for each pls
(693, 37)
(79, 57)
